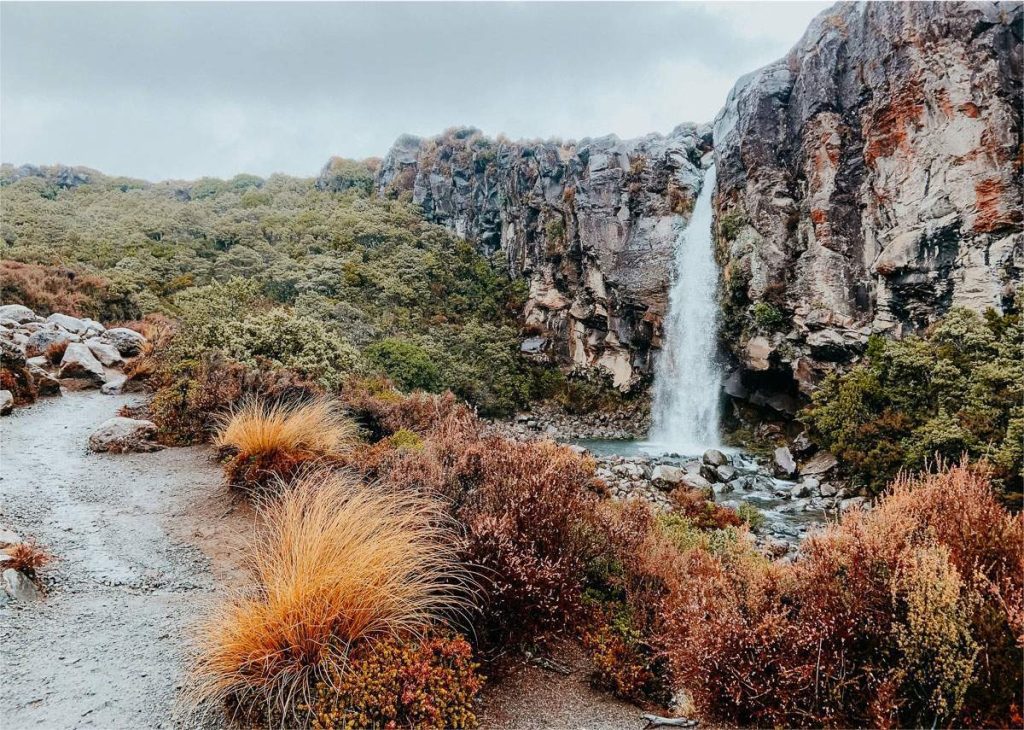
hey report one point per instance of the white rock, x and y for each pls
(79, 362)
(784, 464)
(40, 340)
(665, 474)
(19, 587)
(714, 457)
(104, 351)
(128, 342)
(121, 435)
(6, 402)
(18, 312)
(115, 384)
(93, 327)
(71, 324)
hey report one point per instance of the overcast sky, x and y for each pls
(175, 90)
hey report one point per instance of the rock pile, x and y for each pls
(40, 356)
(630, 422)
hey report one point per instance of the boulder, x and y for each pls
(41, 340)
(667, 475)
(709, 472)
(71, 324)
(714, 457)
(801, 490)
(726, 473)
(6, 402)
(827, 490)
(92, 327)
(802, 446)
(45, 383)
(783, 464)
(19, 587)
(128, 342)
(18, 312)
(821, 463)
(695, 481)
(80, 364)
(115, 384)
(104, 352)
(122, 435)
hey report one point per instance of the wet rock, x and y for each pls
(17, 312)
(79, 363)
(709, 472)
(802, 446)
(726, 473)
(19, 587)
(801, 490)
(827, 490)
(6, 402)
(714, 457)
(128, 342)
(44, 381)
(71, 324)
(783, 464)
(666, 475)
(39, 341)
(695, 481)
(821, 463)
(123, 435)
(104, 352)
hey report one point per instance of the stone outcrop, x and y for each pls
(867, 182)
(590, 225)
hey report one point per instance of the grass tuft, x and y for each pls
(269, 441)
(337, 564)
(27, 558)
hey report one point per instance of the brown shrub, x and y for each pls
(905, 615)
(55, 351)
(49, 289)
(336, 564)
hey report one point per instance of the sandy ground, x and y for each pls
(141, 541)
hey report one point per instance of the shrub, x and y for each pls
(954, 391)
(336, 564)
(268, 442)
(409, 365)
(27, 558)
(49, 289)
(730, 225)
(751, 515)
(768, 317)
(426, 683)
(906, 615)
(55, 351)
(622, 663)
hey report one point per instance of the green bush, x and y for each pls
(409, 365)
(768, 317)
(957, 390)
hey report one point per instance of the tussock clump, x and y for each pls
(269, 441)
(336, 564)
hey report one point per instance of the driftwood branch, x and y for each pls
(658, 721)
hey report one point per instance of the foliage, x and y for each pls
(269, 442)
(27, 557)
(730, 225)
(907, 615)
(622, 663)
(426, 683)
(958, 390)
(49, 289)
(336, 564)
(751, 515)
(276, 273)
(768, 318)
(408, 364)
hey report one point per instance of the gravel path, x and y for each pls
(141, 540)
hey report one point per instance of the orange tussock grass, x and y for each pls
(335, 563)
(27, 557)
(272, 440)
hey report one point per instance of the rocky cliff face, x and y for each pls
(591, 225)
(867, 182)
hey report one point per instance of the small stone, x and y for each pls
(6, 402)
(784, 466)
(128, 342)
(827, 490)
(19, 587)
(115, 384)
(726, 473)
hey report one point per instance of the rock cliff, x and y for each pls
(590, 225)
(867, 182)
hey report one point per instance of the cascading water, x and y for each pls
(687, 381)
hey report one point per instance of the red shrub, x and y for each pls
(49, 289)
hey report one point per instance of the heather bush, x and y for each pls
(430, 682)
(957, 390)
(49, 289)
(907, 615)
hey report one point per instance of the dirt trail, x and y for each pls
(141, 541)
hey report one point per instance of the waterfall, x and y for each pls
(687, 380)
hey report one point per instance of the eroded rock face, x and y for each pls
(869, 181)
(591, 225)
